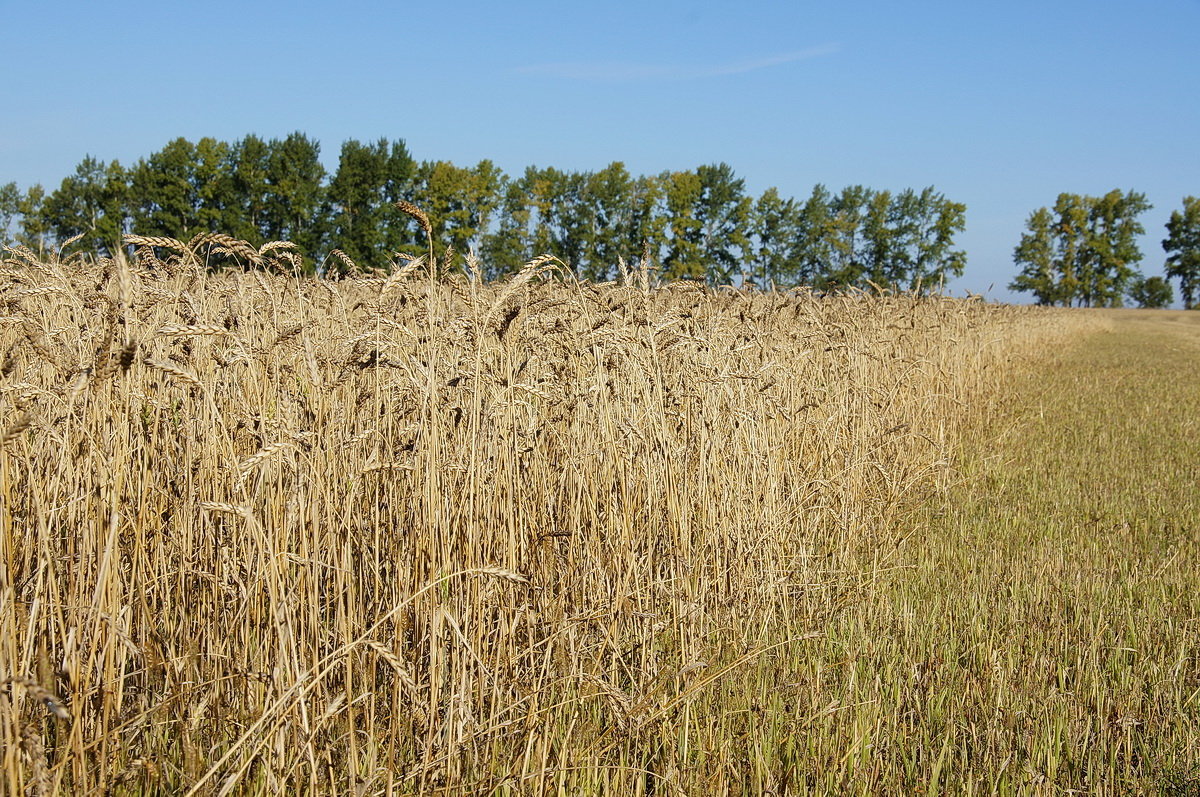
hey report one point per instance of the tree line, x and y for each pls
(697, 224)
(1083, 252)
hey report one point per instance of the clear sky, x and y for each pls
(999, 105)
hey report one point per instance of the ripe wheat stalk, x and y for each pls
(447, 530)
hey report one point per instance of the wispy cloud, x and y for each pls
(629, 71)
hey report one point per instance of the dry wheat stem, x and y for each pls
(673, 476)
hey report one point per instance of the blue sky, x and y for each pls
(998, 105)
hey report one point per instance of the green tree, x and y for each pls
(647, 231)
(845, 239)
(510, 244)
(91, 202)
(460, 202)
(1151, 292)
(900, 241)
(724, 214)
(814, 238)
(370, 177)
(185, 189)
(10, 203)
(684, 257)
(162, 189)
(1182, 245)
(569, 216)
(560, 218)
(1036, 253)
(1084, 251)
(212, 187)
(543, 188)
(34, 229)
(923, 228)
(588, 220)
(775, 224)
(1070, 230)
(881, 262)
(708, 217)
(250, 172)
(296, 193)
(608, 194)
(1053, 253)
(355, 194)
(1113, 253)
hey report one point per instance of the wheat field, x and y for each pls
(415, 533)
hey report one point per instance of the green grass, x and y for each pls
(1038, 634)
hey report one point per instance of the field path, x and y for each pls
(1041, 631)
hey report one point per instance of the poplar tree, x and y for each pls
(724, 214)
(212, 193)
(880, 262)
(1082, 252)
(846, 243)
(162, 191)
(1113, 253)
(684, 258)
(923, 250)
(1041, 274)
(510, 244)
(560, 216)
(10, 202)
(814, 238)
(696, 224)
(295, 195)
(34, 229)
(708, 216)
(370, 178)
(1182, 245)
(647, 233)
(249, 173)
(92, 203)
(1151, 292)
(460, 202)
(775, 227)
(544, 190)
(608, 195)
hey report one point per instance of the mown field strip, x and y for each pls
(1040, 633)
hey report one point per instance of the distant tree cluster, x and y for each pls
(1083, 252)
(698, 224)
(1153, 292)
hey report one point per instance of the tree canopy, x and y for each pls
(699, 224)
(1083, 251)
(1151, 292)
(1183, 249)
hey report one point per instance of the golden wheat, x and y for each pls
(522, 537)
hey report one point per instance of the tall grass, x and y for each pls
(266, 533)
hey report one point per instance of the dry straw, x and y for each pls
(530, 536)
(23, 424)
(423, 220)
(350, 265)
(176, 371)
(188, 330)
